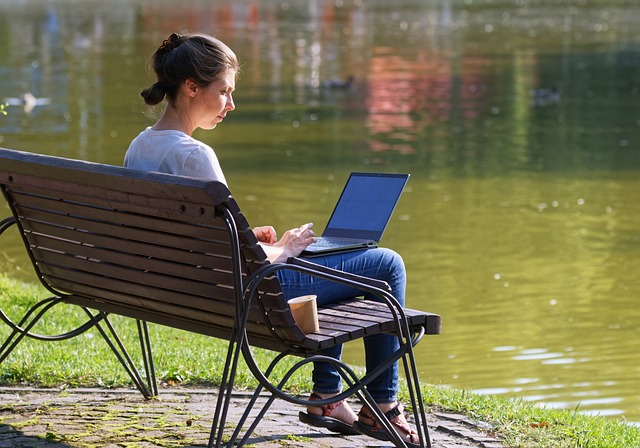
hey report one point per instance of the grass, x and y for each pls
(189, 359)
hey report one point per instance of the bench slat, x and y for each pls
(171, 253)
(90, 216)
(122, 193)
(133, 233)
(208, 297)
(144, 308)
(141, 263)
(161, 289)
(258, 335)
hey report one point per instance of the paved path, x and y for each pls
(180, 418)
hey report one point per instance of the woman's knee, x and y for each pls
(391, 261)
(391, 269)
(393, 257)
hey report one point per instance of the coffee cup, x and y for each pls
(305, 313)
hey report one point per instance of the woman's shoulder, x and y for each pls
(191, 147)
(164, 143)
(174, 139)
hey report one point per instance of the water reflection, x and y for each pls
(518, 123)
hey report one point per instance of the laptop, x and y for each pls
(362, 213)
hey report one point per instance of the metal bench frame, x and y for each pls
(178, 252)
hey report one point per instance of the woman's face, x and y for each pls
(213, 102)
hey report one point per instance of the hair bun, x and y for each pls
(170, 43)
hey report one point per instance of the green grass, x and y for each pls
(189, 359)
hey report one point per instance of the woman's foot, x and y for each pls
(336, 417)
(340, 410)
(368, 425)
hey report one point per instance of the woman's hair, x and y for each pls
(198, 57)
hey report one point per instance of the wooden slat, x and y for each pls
(208, 298)
(184, 207)
(336, 321)
(167, 238)
(172, 252)
(93, 217)
(79, 276)
(140, 263)
(431, 322)
(259, 336)
(371, 322)
(134, 297)
(46, 171)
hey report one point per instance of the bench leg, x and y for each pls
(148, 389)
(23, 329)
(250, 406)
(255, 422)
(415, 395)
(28, 321)
(417, 402)
(147, 354)
(225, 391)
(406, 354)
(355, 386)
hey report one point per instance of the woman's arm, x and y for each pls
(292, 244)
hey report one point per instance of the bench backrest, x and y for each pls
(150, 246)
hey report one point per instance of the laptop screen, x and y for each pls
(365, 205)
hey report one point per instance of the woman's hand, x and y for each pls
(265, 234)
(292, 243)
(296, 240)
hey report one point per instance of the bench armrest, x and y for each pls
(378, 288)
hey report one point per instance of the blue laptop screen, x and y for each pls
(365, 206)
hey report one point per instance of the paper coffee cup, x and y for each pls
(305, 313)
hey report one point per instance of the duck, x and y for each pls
(339, 83)
(545, 96)
(27, 101)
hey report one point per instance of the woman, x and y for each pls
(197, 75)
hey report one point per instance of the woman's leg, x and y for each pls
(379, 348)
(381, 264)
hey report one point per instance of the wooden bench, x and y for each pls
(177, 251)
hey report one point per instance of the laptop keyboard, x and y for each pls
(333, 242)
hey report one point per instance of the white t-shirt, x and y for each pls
(173, 152)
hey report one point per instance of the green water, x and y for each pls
(520, 222)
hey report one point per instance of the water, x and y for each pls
(519, 123)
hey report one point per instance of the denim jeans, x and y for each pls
(381, 264)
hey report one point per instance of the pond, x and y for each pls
(518, 121)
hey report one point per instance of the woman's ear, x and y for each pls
(191, 88)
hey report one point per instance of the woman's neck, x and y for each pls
(171, 120)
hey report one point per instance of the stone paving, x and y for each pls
(180, 418)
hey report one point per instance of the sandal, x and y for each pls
(325, 420)
(397, 419)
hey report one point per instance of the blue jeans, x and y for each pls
(381, 264)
